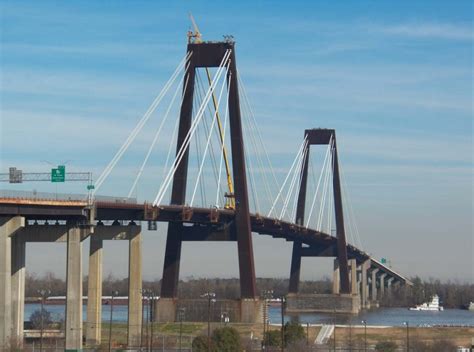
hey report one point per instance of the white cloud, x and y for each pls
(430, 30)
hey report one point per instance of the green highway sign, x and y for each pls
(89, 187)
(58, 174)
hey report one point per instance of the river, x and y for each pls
(381, 316)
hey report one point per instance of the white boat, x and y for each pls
(431, 306)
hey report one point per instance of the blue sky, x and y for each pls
(393, 78)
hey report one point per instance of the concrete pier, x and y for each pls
(251, 311)
(373, 284)
(353, 277)
(18, 286)
(364, 284)
(73, 328)
(165, 310)
(382, 284)
(238, 310)
(94, 292)
(336, 278)
(389, 286)
(131, 233)
(8, 227)
(135, 290)
(322, 303)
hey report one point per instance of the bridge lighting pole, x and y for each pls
(350, 336)
(283, 302)
(266, 295)
(151, 307)
(144, 335)
(148, 296)
(334, 319)
(181, 313)
(307, 334)
(365, 334)
(406, 323)
(114, 294)
(44, 294)
(147, 311)
(211, 298)
(143, 317)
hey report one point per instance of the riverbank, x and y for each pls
(168, 334)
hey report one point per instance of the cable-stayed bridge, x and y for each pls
(219, 186)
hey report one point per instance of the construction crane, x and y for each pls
(196, 37)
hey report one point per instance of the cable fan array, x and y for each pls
(206, 142)
(319, 207)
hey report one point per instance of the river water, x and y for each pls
(386, 317)
(381, 316)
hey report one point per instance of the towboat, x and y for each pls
(431, 306)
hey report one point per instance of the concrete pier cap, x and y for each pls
(322, 303)
(246, 310)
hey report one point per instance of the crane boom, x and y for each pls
(230, 204)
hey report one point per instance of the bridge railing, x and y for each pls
(61, 196)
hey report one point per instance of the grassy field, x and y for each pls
(458, 336)
(168, 333)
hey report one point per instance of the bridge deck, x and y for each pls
(318, 243)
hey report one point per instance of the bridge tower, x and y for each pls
(321, 137)
(208, 55)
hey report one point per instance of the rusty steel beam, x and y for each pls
(319, 251)
(340, 230)
(295, 269)
(169, 286)
(242, 229)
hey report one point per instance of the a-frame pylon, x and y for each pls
(321, 137)
(202, 55)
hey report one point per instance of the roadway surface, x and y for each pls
(201, 223)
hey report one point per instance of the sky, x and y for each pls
(394, 79)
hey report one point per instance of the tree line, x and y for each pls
(452, 294)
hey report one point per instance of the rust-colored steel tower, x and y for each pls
(321, 137)
(209, 55)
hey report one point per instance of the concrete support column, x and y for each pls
(382, 285)
(364, 289)
(8, 227)
(18, 287)
(94, 293)
(134, 289)
(374, 284)
(74, 290)
(353, 267)
(389, 286)
(359, 280)
(335, 278)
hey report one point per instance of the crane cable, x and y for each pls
(207, 146)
